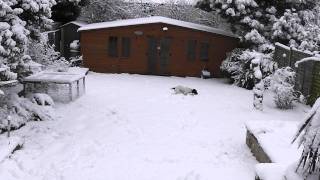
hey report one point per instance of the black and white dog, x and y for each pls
(184, 90)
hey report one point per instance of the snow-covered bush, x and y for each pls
(26, 67)
(43, 53)
(237, 67)
(76, 61)
(308, 132)
(282, 85)
(6, 74)
(21, 110)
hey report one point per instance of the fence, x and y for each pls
(308, 73)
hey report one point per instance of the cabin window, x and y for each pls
(113, 46)
(191, 50)
(204, 51)
(126, 46)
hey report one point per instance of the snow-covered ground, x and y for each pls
(131, 127)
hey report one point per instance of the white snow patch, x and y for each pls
(271, 171)
(275, 138)
(132, 127)
(8, 145)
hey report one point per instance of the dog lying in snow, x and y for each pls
(184, 90)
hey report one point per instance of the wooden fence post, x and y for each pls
(9, 126)
(290, 56)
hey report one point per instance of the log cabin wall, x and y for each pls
(95, 44)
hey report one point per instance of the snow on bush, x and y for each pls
(21, 111)
(76, 61)
(237, 67)
(6, 74)
(308, 132)
(40, 99)
(43, 53)
(26, 67)
(282, 84)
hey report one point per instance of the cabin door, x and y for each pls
(164, 56)
(159, 55)
(152, 55)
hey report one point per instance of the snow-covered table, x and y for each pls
(74, 76)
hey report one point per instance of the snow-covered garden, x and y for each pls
(135, 127)
(127, 127)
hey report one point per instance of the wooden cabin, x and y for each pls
(155, 45)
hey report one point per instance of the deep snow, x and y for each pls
(132, 127)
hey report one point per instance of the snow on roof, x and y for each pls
(282, 45)
(314, 58)
(52, 31)
(155, 19)
(78, 23)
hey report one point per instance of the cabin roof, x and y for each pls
(78, 23)
(155, 19)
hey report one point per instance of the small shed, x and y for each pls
(155, 45)
(64, 35)
(61, 86)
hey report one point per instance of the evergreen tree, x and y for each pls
(67, 10)
(20, 20)
(266, 21)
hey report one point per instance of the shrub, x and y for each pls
(21, 110)
(237, 67)
(282, 85)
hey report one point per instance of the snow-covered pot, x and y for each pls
(205, 74)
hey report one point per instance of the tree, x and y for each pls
(101, 11)
(237, 66)
(67, 10)
(20, 20)
(266, 20)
